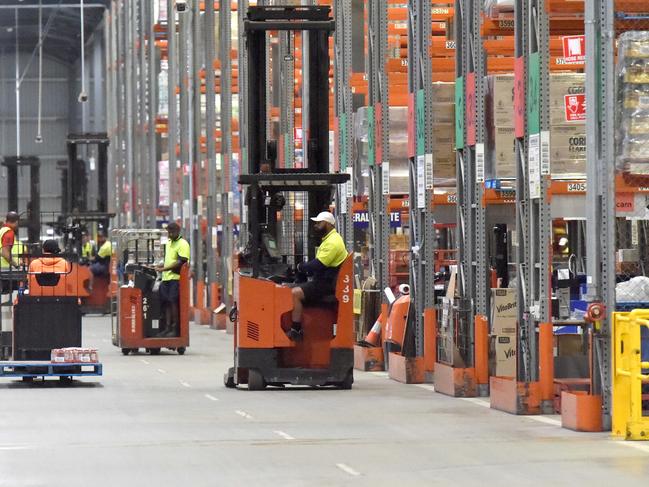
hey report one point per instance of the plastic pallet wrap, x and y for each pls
(633, 103)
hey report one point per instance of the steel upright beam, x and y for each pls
(379, 141)
(344, 113)
(152, 79)
(600, 190)
(422, 237)
(195, 196)
(186, 119)
(172, 111)
(210, 130)
(242, 8)
(225, 45)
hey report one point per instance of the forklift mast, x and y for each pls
(317, 21)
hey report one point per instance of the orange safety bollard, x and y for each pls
(481, 349)
(546, 361)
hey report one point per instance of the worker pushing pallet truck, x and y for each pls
(46, 316)
(288, 331)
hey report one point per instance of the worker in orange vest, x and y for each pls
(50, 262)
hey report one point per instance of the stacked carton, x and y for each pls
(633, 94)
(443, 108)
(567, 133)
(504, 316)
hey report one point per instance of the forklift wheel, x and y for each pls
(181, 351)
(228, 379)
(256, 381)
(153, 351)
(347, 383)
(126, 351)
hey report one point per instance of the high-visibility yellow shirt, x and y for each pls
(3, 262)
(86, 250)
(174, 250)
(332, 251)
(105, 251)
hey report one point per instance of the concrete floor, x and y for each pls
(168, 421)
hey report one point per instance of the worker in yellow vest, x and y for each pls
(7, 240)
(177, 252)
(87, 248)
(101, 265)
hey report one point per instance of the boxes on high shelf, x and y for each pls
(444, 92)
(503, 152)
(504, 316)
(444, 165)
(398, 242)
(562, 84)
(568, 149)
(500, 100)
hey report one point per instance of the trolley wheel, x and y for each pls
(256, 381)
(153, 351)
(181, 350)
(27, 379)
(126, 351)
(65, 380)
(228, 379)
(347, 383)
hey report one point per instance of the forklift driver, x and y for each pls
(324, 270)
(101, 265)
(177, 253)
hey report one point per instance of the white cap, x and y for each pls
(325, 216)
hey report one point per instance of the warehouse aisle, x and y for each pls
(168, 420)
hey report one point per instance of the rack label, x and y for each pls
(385, 177)
(479, 163)
(545, 153)
(421, 182)
(429, 171)
(534, 173)
(349, 185)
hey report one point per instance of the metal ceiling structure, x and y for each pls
(63, 16)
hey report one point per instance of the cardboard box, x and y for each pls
(504, 317)
(506, 355)
(567, 142)
(503, 154)
(568, 345)
(573, 167)
(399, 242)
(444, 113)
(562, 84)
(444, 92)
(501, 100)
(503, 303)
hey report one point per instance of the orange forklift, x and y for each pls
(263, 354)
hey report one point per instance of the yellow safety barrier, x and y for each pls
(628, 421)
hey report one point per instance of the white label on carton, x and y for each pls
(479, 163)
(545, 153)
(421, 181)
(534, 160)
(215, 237)
(429, 171)
(385, 177)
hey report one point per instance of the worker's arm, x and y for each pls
(175, 267)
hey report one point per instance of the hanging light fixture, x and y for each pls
(83, 96)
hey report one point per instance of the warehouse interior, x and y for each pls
(324, 242)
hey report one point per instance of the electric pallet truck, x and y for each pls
(263, 354)
(137, 321)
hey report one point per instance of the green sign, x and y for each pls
(459, 113)
(420, 118)
(371, 137)
(534, 94)
(342, 137)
